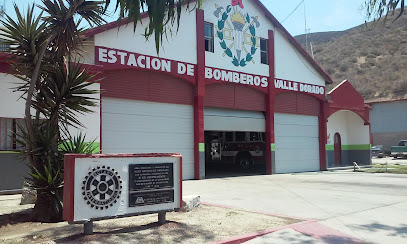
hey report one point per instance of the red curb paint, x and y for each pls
(306, 226)
(319, 231)
(248, 237)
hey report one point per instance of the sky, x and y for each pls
(321, 15)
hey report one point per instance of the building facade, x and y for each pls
(389, 122)
(348, 127)
(232, 70)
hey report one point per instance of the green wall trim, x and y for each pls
(9, 152)
(273, 147)
(202, 147)
(94, 144)
(350, 147)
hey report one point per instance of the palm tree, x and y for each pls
(161, 13)
(54, 87)
(57, 88)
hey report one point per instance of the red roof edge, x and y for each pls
(114, 24)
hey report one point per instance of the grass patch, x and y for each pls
(393, 168)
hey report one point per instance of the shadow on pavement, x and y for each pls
(399, 231)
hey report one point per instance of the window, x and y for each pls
(209, 37)
(240, 136)
(9, 128)
(254, 136)
(264, 58)
(3, 46)
(229, 136)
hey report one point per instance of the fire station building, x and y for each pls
(232, 84)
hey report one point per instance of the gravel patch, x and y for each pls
(201, 225)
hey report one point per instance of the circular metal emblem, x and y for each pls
(101, 188)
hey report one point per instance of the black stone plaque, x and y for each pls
(142, 198)
(150, 176)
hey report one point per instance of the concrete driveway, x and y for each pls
(370, 207)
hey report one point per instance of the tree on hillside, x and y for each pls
(55, 88)
(377, 9)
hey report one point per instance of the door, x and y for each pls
(337, 149)
(132, 126)
(296, 143)
(218, 119)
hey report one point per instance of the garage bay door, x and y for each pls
(130, 126)
(296, 143)
(218, 119)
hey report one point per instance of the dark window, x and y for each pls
(402, 143)
(3, 46)
(208, 37)
(9, 133)
(264, 51)
(229, 136)
(240, 136)
(263, 135)
(254, 136)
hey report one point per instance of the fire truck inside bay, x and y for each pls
(241, 150)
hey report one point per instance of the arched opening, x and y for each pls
(337, 149)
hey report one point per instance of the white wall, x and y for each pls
(181, 46)
(217, 59)
(350, 126)
(291, 65)
(91, 121)
(86, 54)
(13, 107)
(10, 104)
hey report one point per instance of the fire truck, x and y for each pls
(241, 148)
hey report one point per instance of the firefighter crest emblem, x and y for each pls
(237, 33)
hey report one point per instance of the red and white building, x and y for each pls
(232, 67)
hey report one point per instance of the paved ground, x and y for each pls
(370, 207)
(389, 160)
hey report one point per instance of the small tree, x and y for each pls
(377, 9)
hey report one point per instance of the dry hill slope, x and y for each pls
(372, 57)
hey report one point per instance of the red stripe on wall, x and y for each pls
(234, 97)
(146, 86)
(297, 103)
(220, 96)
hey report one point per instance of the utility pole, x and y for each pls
(306, 33)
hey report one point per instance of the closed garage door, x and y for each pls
(218, 119)
(130, 126)
(296, 143)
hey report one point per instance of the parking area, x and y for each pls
(389, 160)
(370, 207)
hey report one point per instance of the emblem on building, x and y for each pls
(237, 33)
(101, 188)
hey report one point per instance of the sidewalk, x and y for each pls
(306, 231)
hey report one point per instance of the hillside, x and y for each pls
(373, 57)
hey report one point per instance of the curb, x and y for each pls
(248, 237)
(316, 230)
